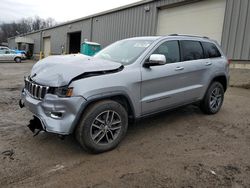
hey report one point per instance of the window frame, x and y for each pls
(211, 43)
(162, 42)
(181, 49)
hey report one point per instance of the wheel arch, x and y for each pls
(218, 78)
(17, 57)
(222, 79)
(121, 98)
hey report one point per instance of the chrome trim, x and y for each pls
(35, 93)
(40, 92)
(35, 90)
(31, 91)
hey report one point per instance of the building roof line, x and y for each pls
(124, 7)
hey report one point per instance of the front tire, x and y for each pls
(18, 60)
(213, 99)
(102, 126)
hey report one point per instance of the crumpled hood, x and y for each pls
(59, 70)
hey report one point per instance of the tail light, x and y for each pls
(229, 61)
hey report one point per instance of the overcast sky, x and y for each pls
(60, 10)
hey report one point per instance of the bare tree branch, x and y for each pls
(24, 25)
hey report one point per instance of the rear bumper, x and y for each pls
(57, 115)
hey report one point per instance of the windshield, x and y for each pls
(125, 51)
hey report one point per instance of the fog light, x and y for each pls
(56, 115)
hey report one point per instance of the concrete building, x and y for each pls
(227, 21)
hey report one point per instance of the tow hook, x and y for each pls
(21, 103)
(35, 126)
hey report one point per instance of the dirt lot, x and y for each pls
(182, 148)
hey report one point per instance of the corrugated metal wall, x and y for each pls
(123, 24)
(236, 30)
(59, 35)
(36, 37)
(137, 21)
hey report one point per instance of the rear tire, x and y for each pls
(213, 99)
(102, 126)
(18, 60)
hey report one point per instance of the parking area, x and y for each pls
(180, 148)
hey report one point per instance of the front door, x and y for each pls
(172, 84)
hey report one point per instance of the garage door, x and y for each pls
(46, 46)
(203, 18)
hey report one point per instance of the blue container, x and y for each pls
(90, 48)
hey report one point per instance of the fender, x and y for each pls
(101, 97)
(214, 78)
(219, 75)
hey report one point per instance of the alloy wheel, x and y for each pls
(215, 99)
(106, 127)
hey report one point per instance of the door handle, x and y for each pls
(208, 63)
(179, 68)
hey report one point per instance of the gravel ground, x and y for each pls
(181, 148)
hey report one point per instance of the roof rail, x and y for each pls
(174, 34)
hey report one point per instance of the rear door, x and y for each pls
(197, 67)
(214, 64)
(178, 82)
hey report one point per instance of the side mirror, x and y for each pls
(155, 60)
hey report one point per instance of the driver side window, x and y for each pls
(170, 50)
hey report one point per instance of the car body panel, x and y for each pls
(148, 90)
(166, 86)
(58, 71)
(114, 83)
(8, 55)
(43, 110)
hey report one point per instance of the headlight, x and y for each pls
(64, 91)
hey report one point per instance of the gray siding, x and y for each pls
(131, 22)
(114, 25)
(59, 35)
(236, 30)
(123, 24)
(37, 41)
(35, 36)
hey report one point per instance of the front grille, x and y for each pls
(37, 91)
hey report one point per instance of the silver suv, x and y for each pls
(95, 97)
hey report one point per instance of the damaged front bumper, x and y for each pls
(57, 115)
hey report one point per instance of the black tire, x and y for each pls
(87, 129)
(18, 60)
(213, 99)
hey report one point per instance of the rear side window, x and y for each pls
(191, 50)
(210, 50)
(171, 51)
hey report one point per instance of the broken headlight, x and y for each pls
(64, 91)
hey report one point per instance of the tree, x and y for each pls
(24, 25)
